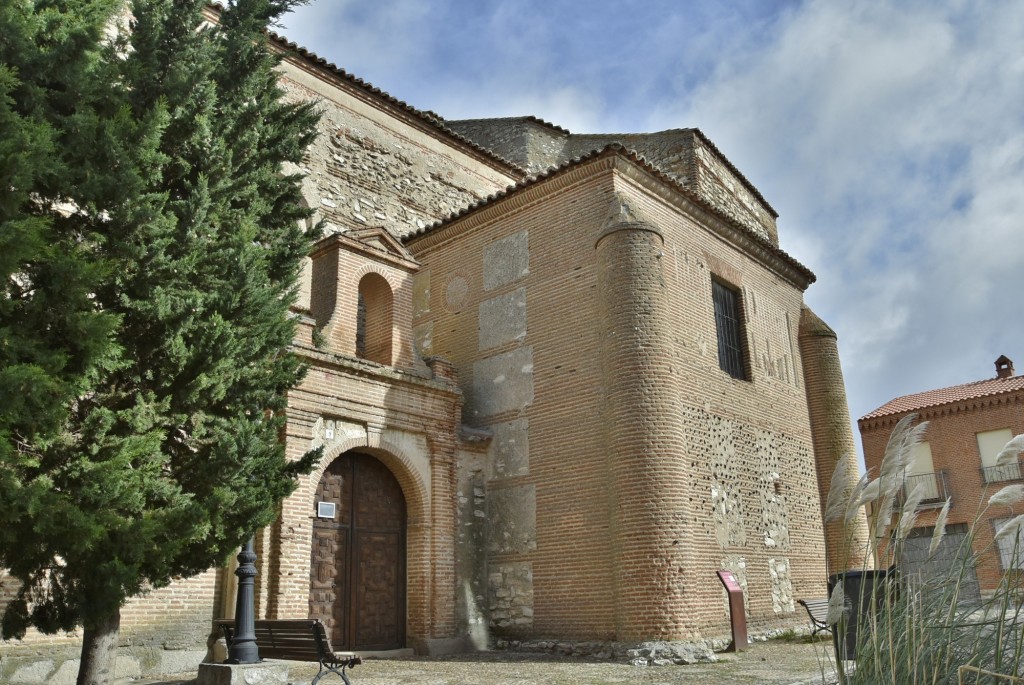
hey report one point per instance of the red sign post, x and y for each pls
(737, 614)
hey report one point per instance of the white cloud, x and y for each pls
(890, 138)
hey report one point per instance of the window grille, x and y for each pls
(730, 329)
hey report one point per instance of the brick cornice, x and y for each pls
(729, 230)
(361, 368)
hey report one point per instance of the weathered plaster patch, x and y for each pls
(456, 292)
(738, 565)
(726, 502)
(470, 541)
(512, 520)
(421, 293)
(774, 516)
(782, 586)
(510, 451)
(423, 339)
(416, 451)
(506, 260)
(502, 319)
(333, 432)
(510, 596)
(503, 382)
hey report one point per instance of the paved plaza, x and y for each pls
(777, 662)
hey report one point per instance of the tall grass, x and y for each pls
(923, 629)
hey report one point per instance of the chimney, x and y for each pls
(1004, 367)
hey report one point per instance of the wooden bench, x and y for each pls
(302, 639)
(817, 609)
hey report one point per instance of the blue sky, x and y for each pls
(889, 136)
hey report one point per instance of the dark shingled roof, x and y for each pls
(950, 395)
(526, 117)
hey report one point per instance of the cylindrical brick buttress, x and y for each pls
(832, 433)
(646, 472)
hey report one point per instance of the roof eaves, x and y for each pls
(634, 157)
(528, 118)
(429, 118)
(939, 397)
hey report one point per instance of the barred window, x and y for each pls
(729, 327)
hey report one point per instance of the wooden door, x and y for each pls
(357, 575)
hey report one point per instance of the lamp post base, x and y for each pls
(264, 673)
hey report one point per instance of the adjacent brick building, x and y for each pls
(967, 427)
(560, 380)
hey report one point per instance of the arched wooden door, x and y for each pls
(357, 574)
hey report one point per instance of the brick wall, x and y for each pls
(544, 383)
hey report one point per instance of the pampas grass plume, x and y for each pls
(1011, 451)
(940, 528)
(871, 492)
(908, 514)
(1008, 496)
(835, 506)
(836, 604)
(1010, 527)
(900, 448)
(853, 504)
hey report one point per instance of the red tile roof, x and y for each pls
(950, 395)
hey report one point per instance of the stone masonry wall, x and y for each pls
(378, 166)
(531, 144)
(682, 154)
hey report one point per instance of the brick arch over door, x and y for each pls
(358, 555)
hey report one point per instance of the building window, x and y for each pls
(729, 326)
(990, 444)
(1011, 546)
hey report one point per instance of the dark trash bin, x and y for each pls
(862, 588)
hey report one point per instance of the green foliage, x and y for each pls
(149, 251)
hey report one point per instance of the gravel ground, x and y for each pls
(776, 662)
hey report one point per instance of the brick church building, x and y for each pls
(560, 381)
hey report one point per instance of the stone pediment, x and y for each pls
(380, 239)
(374, 242)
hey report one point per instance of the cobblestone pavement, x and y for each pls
(769, 663)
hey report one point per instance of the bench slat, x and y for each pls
(296, 640)
(817, 610)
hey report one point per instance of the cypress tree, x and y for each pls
(150, 250)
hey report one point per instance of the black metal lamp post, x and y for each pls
(243, 649)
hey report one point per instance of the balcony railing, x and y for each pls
(936, 489)
(995, 474)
